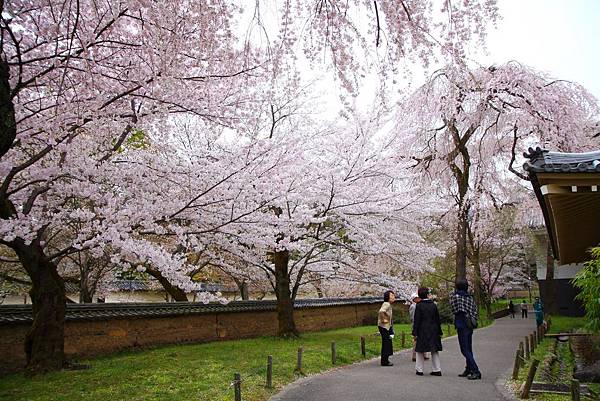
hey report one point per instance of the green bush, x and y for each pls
(446, 315)
(402, 318)
(588, 280)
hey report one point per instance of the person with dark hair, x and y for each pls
(385, 323)
(465, 320)
(523, 310)
(411, 312)
(511, 309)
(538, 309)
(427, 330)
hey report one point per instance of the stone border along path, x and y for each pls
(494, 348)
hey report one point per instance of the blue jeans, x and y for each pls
(465, 340)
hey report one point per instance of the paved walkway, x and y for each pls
(494, 348)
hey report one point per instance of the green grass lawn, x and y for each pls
(200, 371)
(563, 324)
(499, 304)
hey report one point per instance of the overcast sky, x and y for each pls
(561, 37)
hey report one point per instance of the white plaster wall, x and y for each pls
(560, 272)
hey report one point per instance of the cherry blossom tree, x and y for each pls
(84, 86)
(339, 197)
(464, 129)
(497, 247)
(79, 79)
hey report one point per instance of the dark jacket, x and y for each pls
(427, 327)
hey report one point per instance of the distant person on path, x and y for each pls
(427, 330)
(385, 323)
(523, 310)
(511, 309)
(538, 308)
(465, 314)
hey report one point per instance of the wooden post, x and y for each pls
(299, 360)
(237, 386)
(544, 331)
(522, 350)
(532, 343)
(363, 348)
(333, 353)
(575, 390)
(403, 339)
(517, 365)
(270, 371)
(526, 347)
(529, 381)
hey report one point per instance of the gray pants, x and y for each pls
(435, 362)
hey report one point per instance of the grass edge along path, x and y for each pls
(203, 371)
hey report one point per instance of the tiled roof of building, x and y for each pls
(566, 186)
(543, 161)
(23, 313)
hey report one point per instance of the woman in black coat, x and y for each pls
(427, 330)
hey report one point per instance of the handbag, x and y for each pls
(471, 322)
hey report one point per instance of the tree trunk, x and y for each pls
(243, 287)
(8, 126)
(175, 292)
(461, 176)
(461, 244)
(44, 343)
(462, 181)
(285, 303)
(477, 287)
(85, 296)
(488, 309)
(319, 292)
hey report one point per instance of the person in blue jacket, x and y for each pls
(538, 309)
